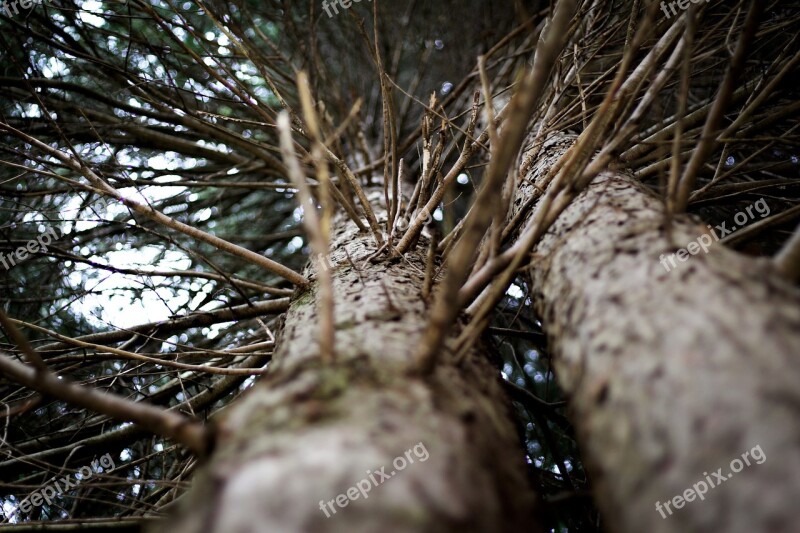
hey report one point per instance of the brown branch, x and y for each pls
(316, 232)
(157, 216)
(169, 424)
(459, 263)
(194, 320)
(710, 129)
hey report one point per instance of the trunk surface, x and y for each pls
(309, 431)
(671, 375)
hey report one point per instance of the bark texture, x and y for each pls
(670, 375)
(308, 430)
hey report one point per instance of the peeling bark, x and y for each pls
(670, 375)
(308, 430)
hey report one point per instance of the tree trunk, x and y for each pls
(310, 430)
(671, 375)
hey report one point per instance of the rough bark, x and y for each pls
(308, 430)
(670, 375)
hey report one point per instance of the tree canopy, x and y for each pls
(145, 136)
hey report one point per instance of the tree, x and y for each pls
(231, 143)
